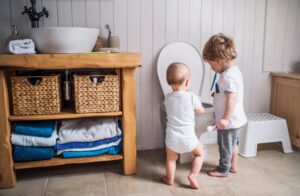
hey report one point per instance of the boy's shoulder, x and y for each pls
(169, 95)
(193, 94)
(232, 73)
(180, 94)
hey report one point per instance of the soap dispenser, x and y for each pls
(14, 36)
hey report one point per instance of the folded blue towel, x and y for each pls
(120, 124)
(35, 128)
(25, 153)
(110, 150)
(87, 144)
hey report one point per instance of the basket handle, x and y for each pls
(34, 80)
(97, 79)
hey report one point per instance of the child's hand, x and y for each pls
(200, 110)
(223, 123)
(213, 94)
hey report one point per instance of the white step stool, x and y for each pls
(263, 128)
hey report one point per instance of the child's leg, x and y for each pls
(234, 159)
(225, 142)
(170, 166)
(235, 154)
(196, 166)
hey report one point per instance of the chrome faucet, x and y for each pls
(33, 15)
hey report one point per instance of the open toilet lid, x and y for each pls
(187, 54)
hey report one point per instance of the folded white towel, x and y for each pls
(87, 130)
(26, 140)
(22, 46)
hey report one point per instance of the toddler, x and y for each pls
(219, 52)
(181, 106)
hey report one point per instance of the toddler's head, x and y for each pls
(218, 51)
(178, 75)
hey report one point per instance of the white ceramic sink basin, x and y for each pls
(64, 39)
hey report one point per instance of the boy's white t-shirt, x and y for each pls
(231, 80)
(180, 133)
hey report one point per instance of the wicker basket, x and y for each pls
(97, 93)
(36, 95)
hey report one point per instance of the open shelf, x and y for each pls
(127, 62)
(67, 113)
(65, 161)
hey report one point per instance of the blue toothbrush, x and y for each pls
(213, 82)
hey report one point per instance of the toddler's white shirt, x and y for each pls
(180, 133)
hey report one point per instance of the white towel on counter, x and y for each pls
(87, 130)
(92, 148)
(27, 140)
(21, 46)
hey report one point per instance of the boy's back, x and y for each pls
(180, 133)
(180, 108)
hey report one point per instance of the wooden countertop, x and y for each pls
(70, 61)
(286, 75)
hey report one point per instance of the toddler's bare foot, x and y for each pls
(233, 170)
(193, 181)
(166, 181)
(216, 173)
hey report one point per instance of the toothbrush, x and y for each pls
(211, 128)
(213, 82)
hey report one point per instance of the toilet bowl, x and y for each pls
(189, 55)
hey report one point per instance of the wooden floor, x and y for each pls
(271, 172)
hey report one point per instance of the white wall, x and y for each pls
(266, 34)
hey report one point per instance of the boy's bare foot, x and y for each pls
(193, 181)
(166, 181)
(216, 173)
(233, 170)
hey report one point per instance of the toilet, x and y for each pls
(189, 55)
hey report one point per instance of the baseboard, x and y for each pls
(150, 146)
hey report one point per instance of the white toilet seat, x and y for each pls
(187, 54)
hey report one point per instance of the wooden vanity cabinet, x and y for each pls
(126, 62)
(285, 102)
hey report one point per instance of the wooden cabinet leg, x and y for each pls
(129, 120)
(7, 174)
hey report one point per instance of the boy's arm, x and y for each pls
(199, 109)
(229, 107)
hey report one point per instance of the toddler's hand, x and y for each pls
(213, 94)
(223, 123)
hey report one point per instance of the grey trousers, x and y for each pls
(228, 139)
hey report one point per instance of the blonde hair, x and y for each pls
(177, 73)
(219, 47)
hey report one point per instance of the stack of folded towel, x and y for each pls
(89, 137)
(21, 46)
(33, 141)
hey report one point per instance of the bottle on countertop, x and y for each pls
(14, 36)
